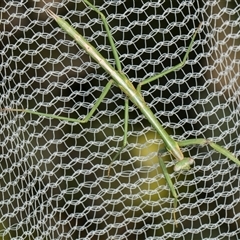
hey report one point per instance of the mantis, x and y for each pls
(119, 79)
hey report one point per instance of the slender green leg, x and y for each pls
(119, 68)
(184, 164)
(84, 120)
(202, 141)
(172, 69)
(110, 38)
(169, 181)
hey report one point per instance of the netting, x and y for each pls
(53, 174)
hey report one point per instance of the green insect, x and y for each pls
(134, 94)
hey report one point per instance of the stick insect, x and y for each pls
(134, 94)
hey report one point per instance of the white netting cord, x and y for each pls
(53, 175)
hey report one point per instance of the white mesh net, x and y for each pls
(53, 174)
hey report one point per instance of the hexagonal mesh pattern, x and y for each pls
(53, 174)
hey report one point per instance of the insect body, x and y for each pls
(134, 95)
